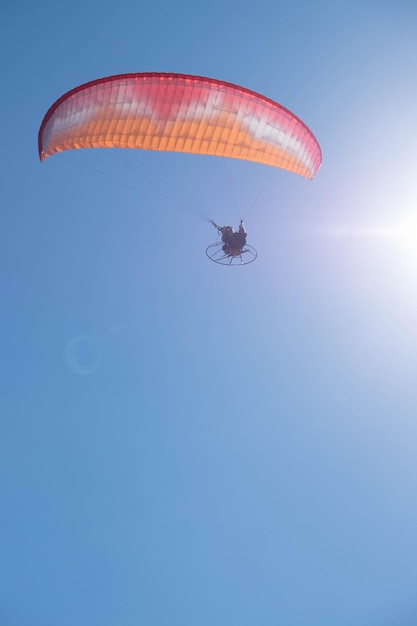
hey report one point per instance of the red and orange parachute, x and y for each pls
(179, 113)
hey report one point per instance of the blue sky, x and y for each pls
(183, 443)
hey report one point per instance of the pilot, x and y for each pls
(233, 240)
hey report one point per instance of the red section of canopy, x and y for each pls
(179, 113)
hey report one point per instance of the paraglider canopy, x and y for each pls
(179, 113)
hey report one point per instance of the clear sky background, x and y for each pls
(188, 444)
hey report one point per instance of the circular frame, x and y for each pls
(241, 256)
